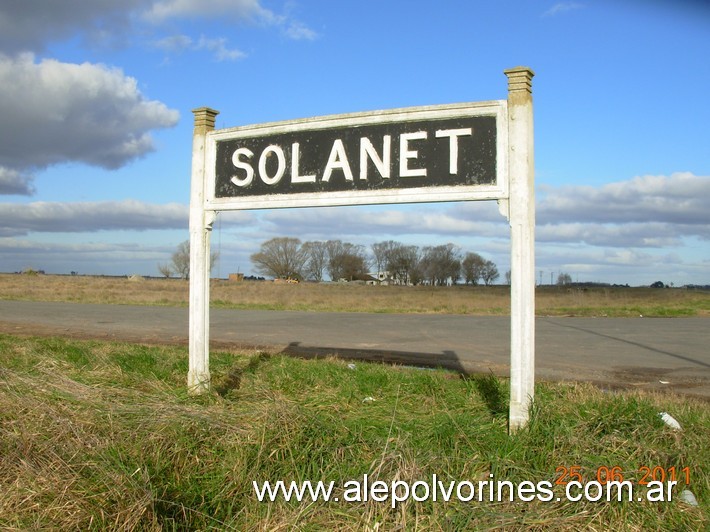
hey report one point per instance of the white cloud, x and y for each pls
(299, 31)
(562, 7)
(219, 48)
(636, 267)
(56, 237)
(639, 235)
(234, 9)
(174, 43)
(644, 212)
(14, 182)
(85, 257)
(54, 112)
(59, 112)
(629, 257)
(679, 199)
(31, 24)
(89, 217)
(376, 222)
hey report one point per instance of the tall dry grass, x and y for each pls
(350, 297)
(102, 436)
(86, 289)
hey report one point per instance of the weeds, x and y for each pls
(103, 436)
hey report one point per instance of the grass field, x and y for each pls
(102, 436)
(480, 300)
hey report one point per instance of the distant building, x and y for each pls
(386, 278)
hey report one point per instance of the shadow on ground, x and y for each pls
(446, 359)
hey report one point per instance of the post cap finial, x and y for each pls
(519, 79)
(205, 118)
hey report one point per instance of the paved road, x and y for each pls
(631, 352)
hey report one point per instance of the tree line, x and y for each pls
(395, 262)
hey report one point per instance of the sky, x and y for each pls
(96, 124)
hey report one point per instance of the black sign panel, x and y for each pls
(425, 153)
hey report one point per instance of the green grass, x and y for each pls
(97, 436)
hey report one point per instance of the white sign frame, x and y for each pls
(513, 189)
(496, 108)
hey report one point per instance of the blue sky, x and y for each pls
(96, 128)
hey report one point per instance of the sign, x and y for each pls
(378, 157)
(460, 152)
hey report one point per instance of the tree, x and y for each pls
(472, 266)
(165, 270)
(181, 261)
(489, 273)
(281, 258)
(476, 267)
(397, 259)
(441, 263)
(402, 263)
(345, 260)
(380, 251)
(316, 260)
(564, 279)
(354, 265)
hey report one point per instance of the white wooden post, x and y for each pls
(522, 242)
(198, 376)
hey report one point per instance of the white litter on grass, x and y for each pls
(665, 382)
(368, 399)
(351, 366)
(688, 497)
(420, 368)
(670, 421)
